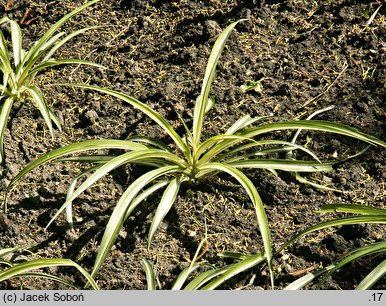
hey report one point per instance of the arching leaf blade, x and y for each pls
(120, 214)
(257, 203)
(27, 266)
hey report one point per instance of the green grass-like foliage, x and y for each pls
(19, 69)
(191, 159)
(29, 268)
(360, 214)
(210, 279)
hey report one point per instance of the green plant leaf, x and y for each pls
(164, 206)
(66, 61)
(144, 109)
(284, 146)
(202, 102)
(27, 266)
(214, 141)
(182, 277)
(4, 91)
(71, 149)
(302, 180)
(59, 44)
(105, 168)
(374, 248)
(121, 211)
(150, 274)
(70, 192)
(369, 281)
(4, 252)
(295, 137)
(193, 266)
(6, 66)
(16, 42)
(54, 118)
(146, 194)
(282, 164)
(257, 203)
(233, 255)
(18, 76)
(49, 277)
(318, 125)
(303, 281)
(153, 142)
(379, 219)
(92, 159)
(23, 72)
(366, 215)
(86, 145)
(235, 269)
(33, 52)
(243, 122)
(4, 115)
(352, 208)
(38, 97)
(205, 277)
(252, 85)
(348, 258)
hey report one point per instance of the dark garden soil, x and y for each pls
(307, 55)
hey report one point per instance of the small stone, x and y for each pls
(192, 233)
(285, 257)
(91, 116)
(212, 28)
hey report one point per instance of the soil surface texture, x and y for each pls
(304, 56)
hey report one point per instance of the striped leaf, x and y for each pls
(59, 44)
(116, 162)
(16, 42)
(164, 206)
(257, 203)
(235, 269)
(371, 219)
(38, 97)
(379, 247)
(144, 109)
(4, 115)
(146, 194)
(352, 208)
(375, 275)
(83, 146)
(317, 125)
(305, 280)
(205, 277)
(280, 146)
(202, 102)
(182, 277)
(282, 164)
(66, 61)
(25, 267)
(150, 274)
(52, 30)
(120, 212)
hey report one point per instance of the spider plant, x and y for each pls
(19, 69)
(361, 215)
(191, 159)
(10, 269)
